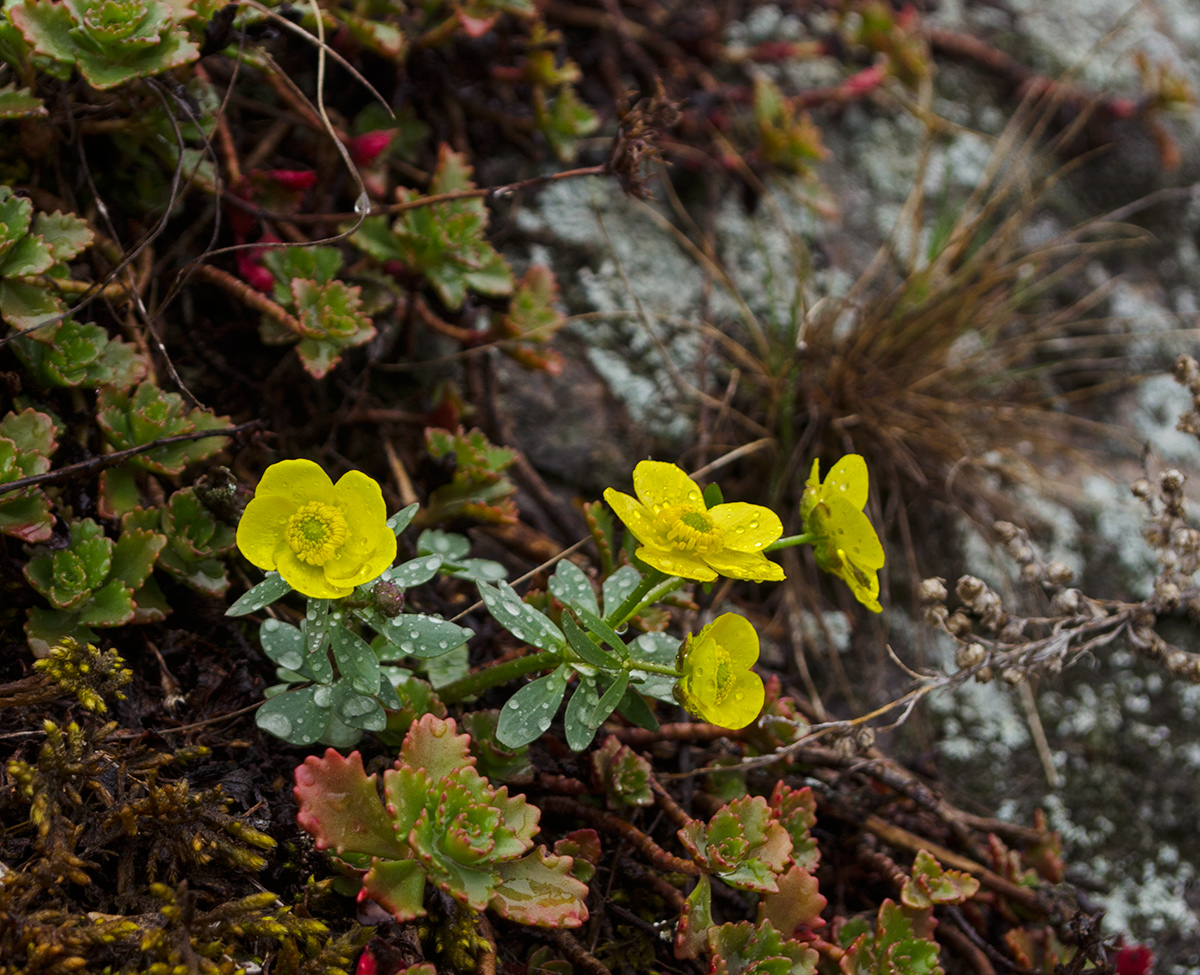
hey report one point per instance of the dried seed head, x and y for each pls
(959, 624)
(936, 614)
(1168, 593)
(983, 675)
(1184, 369)
(1059, 573)
(1021, 550)
(1031, 572)
(1141, 488)
(932, 590)
(1172, 480)
(1006, 531)
(969, 588)
(1185, 540)
(1011, 676)
(1069, 602)
(971, 655)
(1013, 631)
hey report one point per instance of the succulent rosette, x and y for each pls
(110, 41)
(440, 820)
(323, 538)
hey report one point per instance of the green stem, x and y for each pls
(791, 540)
(653, 668)
(497, 674)
(634, 600)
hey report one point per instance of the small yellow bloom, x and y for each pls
(683, 537)
(323, 538)
(846, 544)
(717, 683)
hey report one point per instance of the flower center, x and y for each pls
(315, 532)
(691, 530)
(724, 673)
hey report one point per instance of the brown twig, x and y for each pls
(675, 812)
(248, 296)
(627, 831)
(579, 956)
(103, 462)
(676, 731)
(483, 192)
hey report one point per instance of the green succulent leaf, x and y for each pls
(742, 844)
(797, 904)
(20, 103)
(623, 774)
(572, 588)
(929, 884)
(529, 712)
(748, 949)
(539, 890)
(150, 415)
(293, 716)
(266, 592)
(519, 618)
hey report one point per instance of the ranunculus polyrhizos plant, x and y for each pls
(683, 537)
(110, 41)
(845, 543)
(717, 683)
(439, 820)
(323, 538)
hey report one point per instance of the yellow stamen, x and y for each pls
(315, 532)
(690, 530)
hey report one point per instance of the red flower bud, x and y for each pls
(293, 179)
(1135, 960)
(365, 148)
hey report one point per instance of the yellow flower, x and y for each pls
(323, 538)
(717, 683)
(683, 537)
(845, 543)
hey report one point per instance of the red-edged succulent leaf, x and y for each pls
(622, 773)
(742, 844)
(796, 810)
(341, 808)
(797, 904)
(691, 933)
(532, 320)
(432, 744)
(398, 886)
(929, 884)
(583, 846)
(747, 949)
(539, 890)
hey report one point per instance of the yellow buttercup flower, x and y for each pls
(845, 543)
(717, 683)
(683, 537)
(323, 538)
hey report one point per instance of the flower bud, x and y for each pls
(971, 655)
(387, 598)
(932, 590)
(969, 588)
(1059, 573)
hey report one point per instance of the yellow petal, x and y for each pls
(739, 638)
(261, 528)
(676, 563)
(848, 479)
(355, 565)
(747, 527)
(742, 704)
(753, 566)
(300, 480)
(360, 499)
(851, 531)
(660, 485)
(306, 579)
(633, 513)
